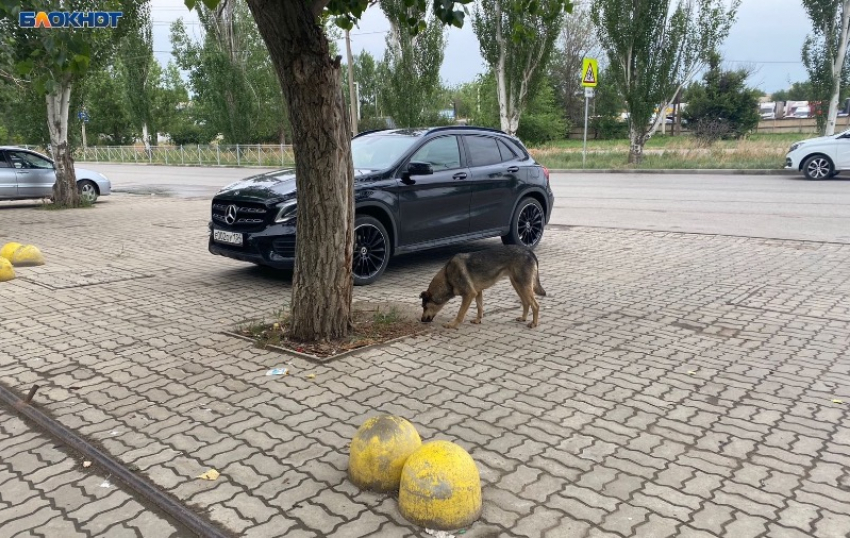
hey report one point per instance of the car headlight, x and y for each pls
(286, 211)
(795, 146)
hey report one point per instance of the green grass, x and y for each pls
(766, 151)
(783, 140)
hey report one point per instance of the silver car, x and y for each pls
(26, 174)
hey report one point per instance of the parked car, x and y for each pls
(25, 174)
(414, 189)
(821, 157)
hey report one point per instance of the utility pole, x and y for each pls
(351, 92)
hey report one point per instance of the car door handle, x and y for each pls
(459, 175)
(513, 169)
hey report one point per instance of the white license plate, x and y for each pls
(231, 238)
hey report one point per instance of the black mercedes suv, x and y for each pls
(414, 190)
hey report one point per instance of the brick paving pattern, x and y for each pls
(678, 385)
(46, 493)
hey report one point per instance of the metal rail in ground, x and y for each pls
(149, 492)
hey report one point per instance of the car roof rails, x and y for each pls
(361, 133)
(465, 128)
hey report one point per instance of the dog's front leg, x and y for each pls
(479, 302)
(467, 301)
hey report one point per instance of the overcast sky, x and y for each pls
(768, 35)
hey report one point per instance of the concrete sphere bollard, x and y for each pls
(9, 249)
(440, 487)
(27, 256)
(7, 272)
(379, 450)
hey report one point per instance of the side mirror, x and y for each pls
(416, 169)
(419, 169)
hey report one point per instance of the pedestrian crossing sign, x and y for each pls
(589, 73)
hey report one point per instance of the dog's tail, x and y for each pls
(538, 288)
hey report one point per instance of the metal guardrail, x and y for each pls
(268, 155)
(213, 155)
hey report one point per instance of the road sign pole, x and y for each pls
(84, 135)
(586, 112)
(589, 79)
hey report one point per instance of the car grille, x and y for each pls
(247, 215)
(284, 246)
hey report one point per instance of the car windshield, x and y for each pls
(379, 152)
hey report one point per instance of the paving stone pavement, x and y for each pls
(44, 492)
(678, 385)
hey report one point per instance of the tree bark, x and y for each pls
(637, 140)
(312, 85)
(146, 137)
(65, 189)
(838, 68)
(501, 83)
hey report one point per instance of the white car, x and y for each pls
(822, 157)
(25, 174)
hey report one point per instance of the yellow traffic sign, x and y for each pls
(589, 73)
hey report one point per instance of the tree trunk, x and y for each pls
(311, 82)
(65, 189)
(145, 137)
(637, 140)
(501, 83)
(838, 68)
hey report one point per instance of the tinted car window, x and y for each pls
(516, 147)
(379, 152)
(442, 153)
(21, 159)
(3, 163)
(483, 150)
(507, 153)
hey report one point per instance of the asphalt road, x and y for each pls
(781, 207)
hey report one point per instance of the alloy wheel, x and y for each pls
(818, 168)
(88, 192)
(530, 225)
(370, 251)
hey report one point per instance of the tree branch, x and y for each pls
(16, 81)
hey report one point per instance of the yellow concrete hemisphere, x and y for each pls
(378, 452)
(440, 487)
(9, 249)
(27, 256)
(7, 272)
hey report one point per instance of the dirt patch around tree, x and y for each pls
(375, 323)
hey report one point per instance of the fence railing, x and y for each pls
(212, 155)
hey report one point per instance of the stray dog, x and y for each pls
(468, 275)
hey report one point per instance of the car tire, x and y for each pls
(818, 167)
(527, 224)
(372, 250)
(87, 190)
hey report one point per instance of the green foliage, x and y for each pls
(411, 66)
(235, 88)
(516, 40)
(577, 41)
(47, 58)
(104, 93)
(653, 47)
(605, 122)
(799, 91)
(821, 54)
(543, 121)
(722, 106)
(137, 61)
(188, 133)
